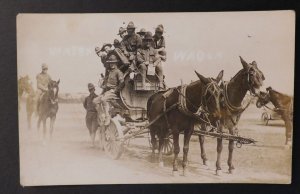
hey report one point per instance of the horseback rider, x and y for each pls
(113, 84)
(146, 56)
(130, 43)
(43, 80)
(159, 42)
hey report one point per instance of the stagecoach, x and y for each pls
(129, 115)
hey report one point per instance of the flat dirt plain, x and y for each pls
(69, 159)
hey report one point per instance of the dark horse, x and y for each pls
(24, 86)
(201, 96)
(283, 105)
(48, 107)
(250, 78)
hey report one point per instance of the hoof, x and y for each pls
(206, 163)
(206, 166)
(175, 173)
(185, 172)
(161, 164)
(230, 171)
(219, 172)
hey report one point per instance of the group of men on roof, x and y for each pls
(135, 52)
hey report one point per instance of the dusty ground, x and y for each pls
(69, 158)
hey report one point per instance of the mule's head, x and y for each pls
(211, 94)
(255, 76)
(263, 99)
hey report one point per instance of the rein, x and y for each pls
(229, 105)
(182, 104)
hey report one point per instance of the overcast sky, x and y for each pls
(206, 42)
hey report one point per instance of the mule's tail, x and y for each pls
(149, 105)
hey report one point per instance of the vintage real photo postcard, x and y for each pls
(155, 97)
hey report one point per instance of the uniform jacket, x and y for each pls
(131, 43)
(43, 80)
(88, 103)
(149, 55)
(114, 79)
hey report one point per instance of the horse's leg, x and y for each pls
(29, 119)
(39, 133)
(219, 152)
(230, 153)
(153, 143)
(288, 128)
(39, 123)
(160, 146)
(52, 121)
(187, 137)
(201, 140)
(44, 130)
(176, 150)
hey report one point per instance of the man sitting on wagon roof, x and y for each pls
(146, 56)
(159, 42)
(130, 43)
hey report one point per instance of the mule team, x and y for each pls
(207, 101)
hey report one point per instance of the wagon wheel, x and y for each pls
(113, 145)
(265, 118)
(167, 146)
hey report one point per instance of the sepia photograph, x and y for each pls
(146, 98)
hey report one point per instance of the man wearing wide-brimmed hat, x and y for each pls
(91, 112)
(159, 42)
(131, 43)
(142, 33)
(122, 32)
(146, 56)
(103, 52)
(113, 84)
(43, 80)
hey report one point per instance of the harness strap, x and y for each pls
(165, 114)
(231, 107)
(182, 106)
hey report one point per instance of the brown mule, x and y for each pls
(201, 96)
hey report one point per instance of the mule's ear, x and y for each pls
(58, 81)
(220, 76)
(202, 78)
(244, 63)
(254, 64)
